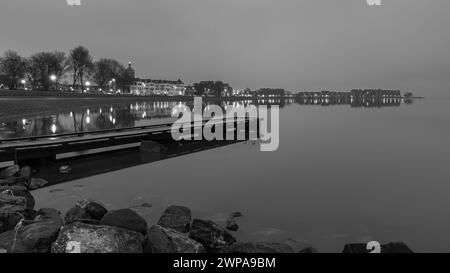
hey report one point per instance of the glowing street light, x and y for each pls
(114, 82)
(23, 82)
(53, 78)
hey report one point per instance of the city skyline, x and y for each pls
(248, 43)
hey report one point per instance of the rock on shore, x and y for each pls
(34, 236)
(177, 218)
(86, 211)
(125, 218)
(84, 238)
(166, 240)
(212, 236)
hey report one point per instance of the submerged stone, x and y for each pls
(176, 217)
(166, 240)
(210, 235)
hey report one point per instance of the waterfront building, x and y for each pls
(149, 87)
(270, 92)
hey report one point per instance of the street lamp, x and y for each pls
(53, 78)
(23, 81)
(88, 83)
(114, 82)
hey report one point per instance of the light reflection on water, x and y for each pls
(141, 114)
(96, 118)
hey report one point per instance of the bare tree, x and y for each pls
(107, 69)
(80, 62)
(42, 65)
(13, 66)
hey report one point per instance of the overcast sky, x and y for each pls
(298, 45)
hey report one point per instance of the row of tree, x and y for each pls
(217, 89)
(43, 69)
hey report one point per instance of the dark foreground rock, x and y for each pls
(10, 171)
(166, 240)
(11, 203)
(125, 218)
(257, 248)
(37, 183)
(84, 238)
(210, 235)
(19, 191)
(34, 236)
(86, 211)
(231, 223)
(26, 172)
(397, 247)
(15, 181)
(9, 220)
(177, 218)
(77, 214)
(95, 210)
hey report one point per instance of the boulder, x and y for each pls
(65, 169)
(257, 248)
(9, 220)
(10, 171)
(231, 224)
(37, 183)
(177, 218)
(33, 236)
(166, 240)
(14, 181)
(95, 210)
(39, 236)
(210, 235)
(47, 214)
(7, 241)
(84, 238)
(76, 214)
(21, 192)
(125, 218)
(398, 247)
(25, 172)
(12, 203)
(86, 211)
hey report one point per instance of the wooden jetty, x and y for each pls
(49, 146)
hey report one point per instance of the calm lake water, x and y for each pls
(341, 175)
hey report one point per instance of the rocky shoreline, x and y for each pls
(89, 227)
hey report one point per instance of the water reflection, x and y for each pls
(154, 112)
